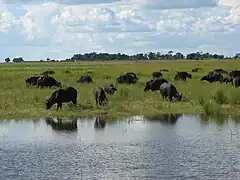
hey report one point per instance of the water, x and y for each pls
(166, 147)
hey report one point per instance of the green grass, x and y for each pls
(18, 101)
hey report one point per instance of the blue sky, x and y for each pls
(60, 28)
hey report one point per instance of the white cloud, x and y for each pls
(130, 26)
(172, 4)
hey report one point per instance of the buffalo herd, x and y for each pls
(156, 83)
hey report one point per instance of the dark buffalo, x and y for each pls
(182, 76)
(67, 72)
(48, 81)
(156, 74)
(170, 91)
(213, 77)
(234, 73)
(164, 70)
(110, 89)
(228, 79)
(237, 81)
(100, 96)
(62, 126)
(154, 84)
(85, 79)
(126, 79)
(132, 74)
(196, 69)
(32, 80)
(48, 72)
(100, 122)
(62, 95)
(222, 71)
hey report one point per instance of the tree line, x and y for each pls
(93, 56)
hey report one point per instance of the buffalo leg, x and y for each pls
(59, 105)
(163, 97)
(74, 102)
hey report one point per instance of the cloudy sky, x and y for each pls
(37, 29)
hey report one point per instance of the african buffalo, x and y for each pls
(62, 95)
(100, 96)
(133, 74)
(48, 72)
(154, 84)
(237, 81)
(126, 79)
(222, 71)
(170, 91)
(48, 81)
(85, 79)
(110, 89)
(228, 79)
(234, 73)
(156, 74)
(164, 70)
(32, 80)
(196, 69)
(60, 125)
(182, 76)
(213, 77)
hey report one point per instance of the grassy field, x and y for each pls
(18, 101)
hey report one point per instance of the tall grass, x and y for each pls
(16, 100)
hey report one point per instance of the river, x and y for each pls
(168, 147)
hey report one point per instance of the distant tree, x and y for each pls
(48, 59)
(19, 59)
(7, 60)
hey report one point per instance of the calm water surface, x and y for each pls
(181, 147)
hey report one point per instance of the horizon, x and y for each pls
(59, 29)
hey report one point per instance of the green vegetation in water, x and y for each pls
(18, 101)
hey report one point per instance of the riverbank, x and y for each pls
(18, 101)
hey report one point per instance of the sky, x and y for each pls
(57, 29)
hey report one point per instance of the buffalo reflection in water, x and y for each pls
(100, 122)
(61, 125)
(165, 119)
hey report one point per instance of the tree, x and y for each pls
(7, 60)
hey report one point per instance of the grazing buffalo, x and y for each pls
(85, 79)
(48, 81)
(60, 125)
(222, 71)
(110, 89)
(133, 74)
(100, 122)
(234, 73)
(126, 79)
(170, 91)
(156, 74)
(213, 77)
(237, 81)
(32, 80)
(100, 96)
(62, 95)
(67, 72)
(154, 84)
(228, 79)
(48, 72)
(196, 69)
(182, 76)
(164, 70)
